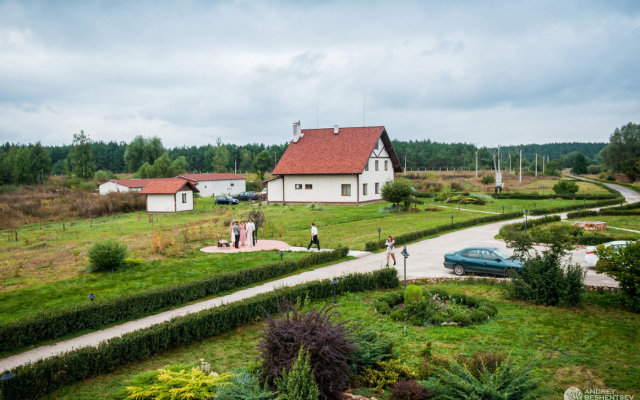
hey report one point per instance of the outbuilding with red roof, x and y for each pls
(335, 165)
(169, 195)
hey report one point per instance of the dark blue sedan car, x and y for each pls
(482, 260)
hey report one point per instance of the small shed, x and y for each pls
(169, 195)
(214, 184)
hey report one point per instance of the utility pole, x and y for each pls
(542, 165)
(509, 161)
(235, 165)
(476, 162)
(405, 164)
(520, 165)
(536, 164)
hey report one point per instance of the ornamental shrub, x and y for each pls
(410, 390)
(298, 383)
(413, 294)
(384, 374)
(165, 384)
(243, 385)
(487, 179)
(566, 187)
(507, 382)
(330, 344)
(372, 347)
(623, 264)
(107, 255)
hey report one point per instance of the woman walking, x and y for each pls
(390, 251)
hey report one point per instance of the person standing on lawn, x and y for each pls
(250, 228)
(233, 238)
(314, 237)
(390, 250)
(243, 234)
(236, 234)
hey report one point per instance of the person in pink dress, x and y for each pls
(243, 234)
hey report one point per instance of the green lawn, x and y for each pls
(619, 221)
(148, 275)
(567, 346)
(513, 205)
(545, 186)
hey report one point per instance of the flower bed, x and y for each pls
(435, 307)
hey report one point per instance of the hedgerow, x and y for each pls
(100, 313)
(34, 380)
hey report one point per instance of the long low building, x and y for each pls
(208, 185)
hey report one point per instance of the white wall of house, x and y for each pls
(313, 189)
(110, 187)
(371, 177)
(274, 190)
(161, 203)
(218, 187)
(184, 200)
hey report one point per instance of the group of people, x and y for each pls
(243, 234)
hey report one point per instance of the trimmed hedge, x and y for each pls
(410, 236)
(100, 313)
(532, 196)
(593, 204)
(530, 223)
(44, 376)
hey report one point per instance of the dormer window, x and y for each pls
(377, 144)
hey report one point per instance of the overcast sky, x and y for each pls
(189, 72)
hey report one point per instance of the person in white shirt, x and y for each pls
(390, 251)
(250, 228)
(314, 237)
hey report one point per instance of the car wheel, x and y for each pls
(458, 269)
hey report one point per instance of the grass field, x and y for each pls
(511, 205)
(588, 346)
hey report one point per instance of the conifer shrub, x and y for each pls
(107, 255)
(371, 348)
(299, 382)
(167, 384)
(413, 294)
(243, 385)
(384, 374)
(329, 342)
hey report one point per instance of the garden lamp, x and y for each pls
(379, 230)
(91, 296)
(405, 255)
(281, 254)
(334, 283)
(6, 377)
(452, 222)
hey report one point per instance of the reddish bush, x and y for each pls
(410, 390)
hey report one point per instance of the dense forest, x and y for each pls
(147, 157)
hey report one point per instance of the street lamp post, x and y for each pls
(334, 283)
(452, 222)
(503, 209)
(6, 377)
(379, 230)
(405, 255)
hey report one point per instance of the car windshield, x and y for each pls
(502, 253)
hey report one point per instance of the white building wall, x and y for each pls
(371, 177)
(274, 190)
(160, 203)
(110, 187)
(188, 205)
(218, 187)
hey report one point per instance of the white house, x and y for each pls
(125, 185)
(169, 195)
(335, 165)
(211, 185)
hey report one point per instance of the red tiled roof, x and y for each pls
(138, 183)
(320, 151)
(211, 177)
(168, 186)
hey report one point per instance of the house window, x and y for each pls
(377, 188)
(346, 190)
(377, 144)
(366, 166)
(232, 185)
(364, 189)
(298, 186)
(376, 165)
(308, 186)
(386, 165)
(184, 197)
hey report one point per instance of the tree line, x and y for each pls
(148, 158)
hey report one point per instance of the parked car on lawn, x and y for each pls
(247, 196)
(484, 260)
(226, 200)
(263, 194)
(590, 257)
